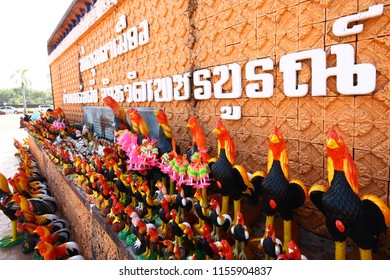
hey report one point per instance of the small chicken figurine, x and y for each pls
(293, 253)
(348, 214)
(232, 179)
(225, 250)
(241, 235)
(271, 245)
(57, 252)
(148, 201)
(218, 220)
(280, 195)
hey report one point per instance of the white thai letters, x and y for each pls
(267, 80)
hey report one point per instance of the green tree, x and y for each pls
(21, 79)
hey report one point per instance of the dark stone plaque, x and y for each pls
(102, 119)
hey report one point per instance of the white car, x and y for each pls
(43, 108)
(9, 110)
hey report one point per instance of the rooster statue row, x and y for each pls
(165, 204)
(32, 211)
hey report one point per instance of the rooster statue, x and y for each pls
(347, 213)
(165, 143)
(241, 236)
(138, 124)
(280, 195)
(218, 220)
(120, 118)
(65, 250)
(292, 253)
(198, 139)
(272, 246)
(232, 179)
(9, 209)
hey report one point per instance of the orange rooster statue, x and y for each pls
(232, 179)
(347, 213)
(120, 119)
(198, 139)
(280, 195)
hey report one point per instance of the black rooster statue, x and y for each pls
(347, 213)
(280, 195)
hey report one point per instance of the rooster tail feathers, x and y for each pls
(226, 222)
(46, 206)
(189, 204)
(46, 219)
(377, 213)
(58, 224)
(72, 248)
(256, 180)
(299, 192)
(62, 235)
(4, 184)
(315, 194)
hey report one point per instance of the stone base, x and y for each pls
(95, 238)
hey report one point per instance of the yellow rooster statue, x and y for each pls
(9, 209)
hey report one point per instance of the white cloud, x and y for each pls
(25, 28)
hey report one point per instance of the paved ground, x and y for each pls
(9, 130)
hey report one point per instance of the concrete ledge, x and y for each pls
(96, 239)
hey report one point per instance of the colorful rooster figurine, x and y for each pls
(348, 214)
(232, 179)
(138, 124)
(165, 142)
(198, 139)
(280, 195)
(292, 253)
(241, 236)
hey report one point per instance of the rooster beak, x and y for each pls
(331, 143)
(216, 131)
(274, 139)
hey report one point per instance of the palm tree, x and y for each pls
(20, 78)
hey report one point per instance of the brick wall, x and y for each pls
(191, 35)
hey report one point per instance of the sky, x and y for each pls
(25, 28)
